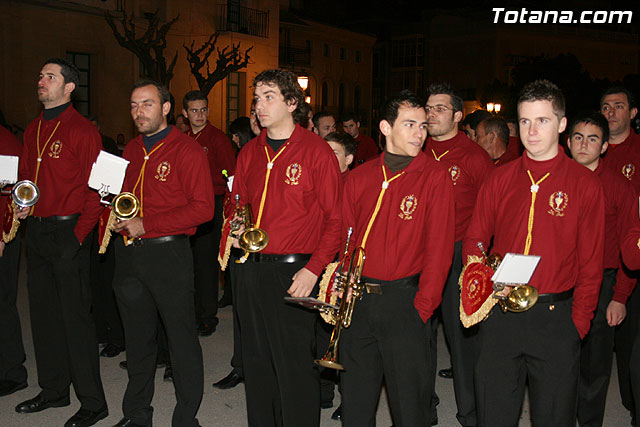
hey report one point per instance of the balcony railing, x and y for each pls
(240, 19)
(291, 56)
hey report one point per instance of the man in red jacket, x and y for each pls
(618, 106)
(588, 139)
(13, 375)
(221, 156)
(290, 177)
(367, 147)
(401, 208)
(492, 134)
(468, 165)
(542, 204)
(169, 174)
(60, 147)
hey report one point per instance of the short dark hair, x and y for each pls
(287, 82)
(543, 90)
(592, 118)
(405, 98)
(348, 143)
(445, 89)
(319, 115)
(194, 95)
(474, 119)
(69, 71)
(497, 125)
(163, 92)
(305, 109)
(242, 127)
(351, 115)
(631, 100)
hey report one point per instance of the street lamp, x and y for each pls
(303, 81)
(493, 107)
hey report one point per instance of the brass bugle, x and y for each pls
(125, 206)
(25, 193)
(252, 239)
(351, 292)
(520, 298)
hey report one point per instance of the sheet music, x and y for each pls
(107, 173)
(516, 269)
(9, 169)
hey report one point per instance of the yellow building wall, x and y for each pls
(30, 33)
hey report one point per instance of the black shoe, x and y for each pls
(111, 350)
(434, 422)
(86, 418)
(39, 403)
(8, 387)
(168, 374)
(337, 414)
(224, 301)
(205, 329)
(126, 422)
(446, 373)
(159, 364)
(230, 381)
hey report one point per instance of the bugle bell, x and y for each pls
(520, 298)
(25, 193)
(252, 239)
(125, 206)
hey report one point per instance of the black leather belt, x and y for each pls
(55, 218)
(555, 297)
(280, 258)
(158, 240)
(374, 286)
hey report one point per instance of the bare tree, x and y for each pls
(149, 47)
(230, 59)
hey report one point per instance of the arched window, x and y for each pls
(325, 95)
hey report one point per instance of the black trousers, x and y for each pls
(64, 337)
(11, 348)
(624, 341)
(387, 339)
(634, 376)
(104, 310)
(541, 345)
(596, 356)
(236, 359)
(154, 278)
(206, 269)
(278, 343)
(462, 344)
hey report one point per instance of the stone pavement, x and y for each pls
(224, 408)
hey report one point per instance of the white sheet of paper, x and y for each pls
(516, 269)
(108, 170)
(9, 169)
